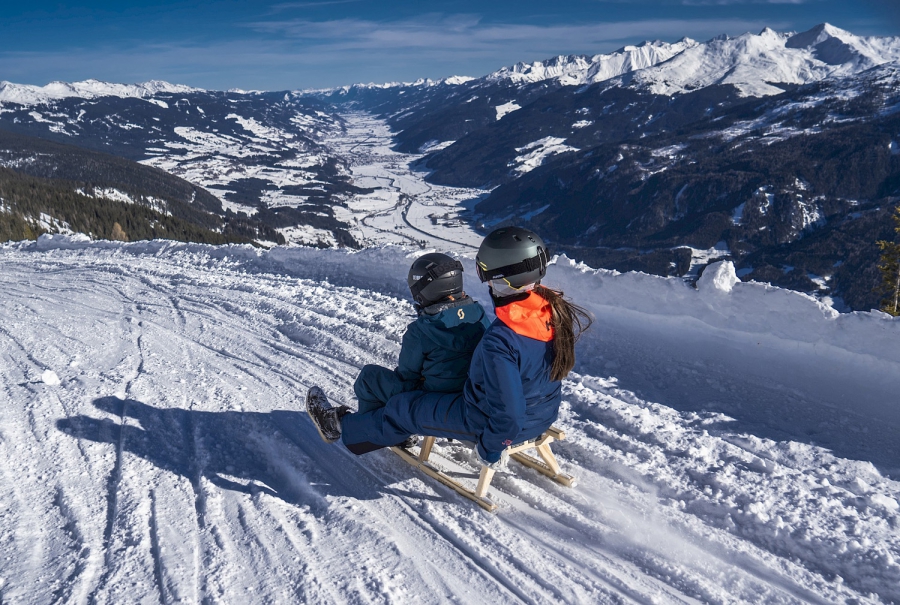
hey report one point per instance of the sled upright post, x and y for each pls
(546, 464)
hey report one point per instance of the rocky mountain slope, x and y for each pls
(260, 154)
(776, 149)
(54, 187)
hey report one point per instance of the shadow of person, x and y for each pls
(278, 453)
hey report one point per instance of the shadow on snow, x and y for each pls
(278, 453)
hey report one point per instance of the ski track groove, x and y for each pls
(155, 551)
(84, 558)
(618, 587)
(486, 568)
(65, 593)
(415, 516)
(649, 568)
(115, 477)
(235, 533)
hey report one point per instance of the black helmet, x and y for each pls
(516, 255)
(433, 277)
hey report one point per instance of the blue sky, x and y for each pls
(221, 44)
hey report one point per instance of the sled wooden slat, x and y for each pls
(425, 450)
(546, 465)
(484, 481)
(446, 479)
(544, 469)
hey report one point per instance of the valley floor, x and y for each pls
(155, 447)
(402, 207)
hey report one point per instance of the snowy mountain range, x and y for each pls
(25, 94)
(763, 64)
(616, 157)
(755, 63)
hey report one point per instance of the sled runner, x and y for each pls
(546, 464)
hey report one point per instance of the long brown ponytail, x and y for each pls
(569, 322)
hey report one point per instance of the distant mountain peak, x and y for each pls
(585, 69)
(756, 63)
(28, 94)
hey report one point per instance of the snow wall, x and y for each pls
(761, 333)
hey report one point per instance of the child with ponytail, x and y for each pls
(513, 390)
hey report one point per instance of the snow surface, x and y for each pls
(755, 63)
(535, 153)
(506, 108)
(576, 70)
(731, 445)
(27, 94)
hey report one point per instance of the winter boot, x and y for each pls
(411, 441)
(326, 418)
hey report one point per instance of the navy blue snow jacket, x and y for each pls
(438, 346)
(509, 395)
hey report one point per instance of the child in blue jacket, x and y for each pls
(513, 390)
(437, 347)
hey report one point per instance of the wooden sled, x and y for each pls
(546, 464)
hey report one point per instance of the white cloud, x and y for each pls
(298, 53)
(467, 32)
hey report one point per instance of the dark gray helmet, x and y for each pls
(433, 277)
(513, 254)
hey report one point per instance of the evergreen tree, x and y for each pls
(890, 270)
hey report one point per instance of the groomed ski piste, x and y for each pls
(732, 442)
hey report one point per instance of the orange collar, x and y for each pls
(530, 317)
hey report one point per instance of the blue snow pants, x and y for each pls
(375, 385)
(412, 413)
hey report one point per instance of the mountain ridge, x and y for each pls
(640, 138)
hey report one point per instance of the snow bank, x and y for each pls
(723, 302)
(170, 433)
(720, 301)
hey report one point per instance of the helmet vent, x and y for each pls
(517, 238)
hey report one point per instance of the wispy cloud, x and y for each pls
(467, 33)
(276, 8)
(298, 53)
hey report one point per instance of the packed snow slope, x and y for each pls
(732, 443)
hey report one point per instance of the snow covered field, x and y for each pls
(735, 443)
(403, 208)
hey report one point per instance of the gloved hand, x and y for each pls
(499, 465)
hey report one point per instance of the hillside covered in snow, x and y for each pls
(775, 150)
(732, 442)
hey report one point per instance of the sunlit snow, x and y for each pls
(156, 449)
(534, 154)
